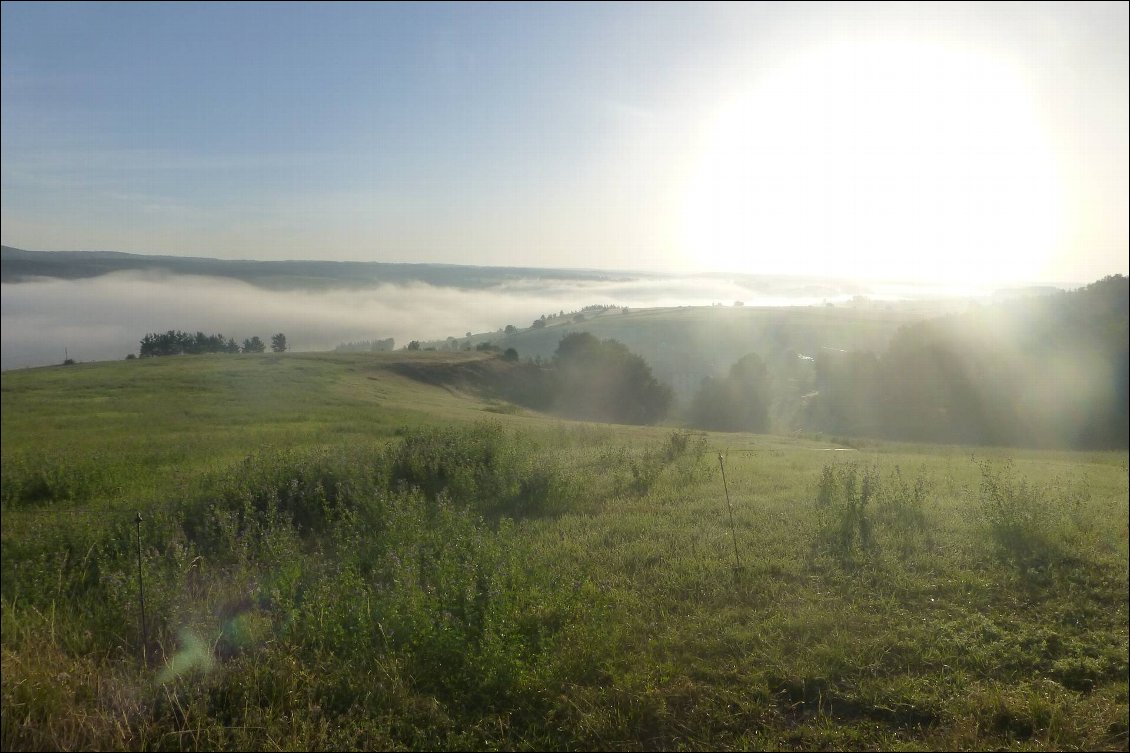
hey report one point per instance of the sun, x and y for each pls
(891, 161)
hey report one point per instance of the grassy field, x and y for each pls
(337, 556)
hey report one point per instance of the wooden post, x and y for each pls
(733, 529)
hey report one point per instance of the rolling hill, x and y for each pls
(369, 551)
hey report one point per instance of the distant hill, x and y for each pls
(684, 345)
(1047, 368)
(19, 265)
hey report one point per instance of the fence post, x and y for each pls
(733, 529)
(141, 600)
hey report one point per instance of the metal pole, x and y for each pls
(141, 599)
(733, 529)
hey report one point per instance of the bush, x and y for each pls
(1028, 524)
(850, 526)
(41, 480)
(901, 502)
(842, 496)
(483, 467)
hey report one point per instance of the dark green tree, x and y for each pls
(278, 343)
(601, 380)
(737, 402)
(254, 345)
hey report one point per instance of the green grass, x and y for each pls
(335, 556)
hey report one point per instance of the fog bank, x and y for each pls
(103, 318)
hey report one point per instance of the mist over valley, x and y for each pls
(96, 306)
(1037, 365)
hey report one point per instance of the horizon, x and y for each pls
(981, 145)
(999, 285)
(85, 313)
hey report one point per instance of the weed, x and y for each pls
(842, 496)
(1029, 525)
(861, 511)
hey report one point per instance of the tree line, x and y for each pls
(1049, 371)
(1044, 371)
(176, 342)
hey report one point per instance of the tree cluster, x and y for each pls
(738, 401)
(587, 379)
(176, 342)
(601, 380)
(1049, 371)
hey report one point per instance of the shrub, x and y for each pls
(901, 501)
(850, 525)
(483, 466)
(842, 496)
(1028, 524)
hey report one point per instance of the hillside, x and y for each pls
(368, 552)
(1044, 371)
(323, 304)
(685, 344)
(19, 265)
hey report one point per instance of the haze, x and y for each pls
(47, 320)
(969, 143)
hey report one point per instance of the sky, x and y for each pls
(979, 143)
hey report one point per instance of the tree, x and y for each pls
(254, 345)
(737, 402)
(602, 380)
(510, 329)
(278, 343)
(510, 355)
(170, 343)
(414, 345)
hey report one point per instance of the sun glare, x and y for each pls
(880, 161)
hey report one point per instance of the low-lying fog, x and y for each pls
(103, 318)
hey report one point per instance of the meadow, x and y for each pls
(336, 556)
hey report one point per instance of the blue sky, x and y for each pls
(755, 138)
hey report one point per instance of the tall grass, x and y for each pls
(861, 511)
(524, 583)
(1030, 524)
